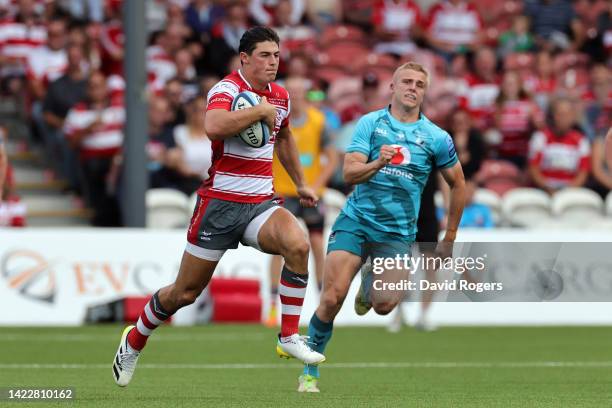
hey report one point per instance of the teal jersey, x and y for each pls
(391, 199)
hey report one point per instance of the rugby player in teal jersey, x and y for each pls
(389, 160)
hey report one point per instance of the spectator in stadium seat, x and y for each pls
(598, 100)
(397, 23)
(160, 56)
(322, 13)
(454, 26)
(264, 11)
(471, 149)
(47, 63)
(61, 96)
(186, 73)
(555, 24)
(296, 37)
(542, 84)
(518, 38)
(161, 138)
(516, 117)
(94, 129)
(192, 155)
(19, 36)
(173, 92)
(225, 39)
(559, 155)
(483, 87)
(202, 15)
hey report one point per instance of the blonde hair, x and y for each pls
(414, 66)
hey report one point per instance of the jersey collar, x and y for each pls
(249, 85)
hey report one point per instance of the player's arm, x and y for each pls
(222, 124)
(356, 168)
(287, 153)
(453, 176)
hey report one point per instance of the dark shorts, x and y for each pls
(362, 240)
(219, 225)
(314, 217)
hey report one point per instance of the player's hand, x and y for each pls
(444, 249)
(268, 113)
(386, 154)
(308, 198)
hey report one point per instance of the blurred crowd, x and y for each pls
(523, 86)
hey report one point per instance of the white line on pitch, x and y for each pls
(35, 338)
(424, 364)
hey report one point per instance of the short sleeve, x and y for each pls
(222, 95)
(444, 151)
(361, 137)
(536, 147)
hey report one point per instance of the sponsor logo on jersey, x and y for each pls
(401, 156)
(380, 131)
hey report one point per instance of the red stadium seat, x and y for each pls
(329, 74)
(235, 300)
(342, 33)
(499, 176)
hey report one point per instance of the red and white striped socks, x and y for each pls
(292, 289)
(152, 316)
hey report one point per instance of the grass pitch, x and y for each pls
(222, 366)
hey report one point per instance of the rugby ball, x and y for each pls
(257, 134)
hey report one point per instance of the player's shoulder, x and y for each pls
(231, 84)
(373, 117)
(433, 130)
(278, 91)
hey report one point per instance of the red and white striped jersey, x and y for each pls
(112, 42)
(161, 66)
(515, 125)
(480, 96)
(17, 40)
(104, 142)
(47, 65)
(559, 158)
(239, 172)
(457, 25)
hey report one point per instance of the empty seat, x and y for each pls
(492, 200)
(166, 208)
(499, 176)
(577, 205)
(526, 207)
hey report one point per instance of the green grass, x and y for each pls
(488, 367)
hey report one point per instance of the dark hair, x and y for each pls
(255, 35)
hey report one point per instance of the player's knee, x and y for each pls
(331, 301)
(383, 308)
(187, 297)
(298, 249)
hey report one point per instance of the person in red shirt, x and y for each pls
(396, 25)
(559, 155)
(454, 26)
(516, 117)
(236, 204)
